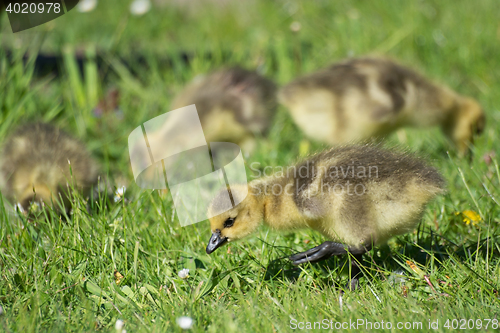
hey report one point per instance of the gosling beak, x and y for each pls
(215, 241)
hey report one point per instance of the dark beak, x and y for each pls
(215, 241)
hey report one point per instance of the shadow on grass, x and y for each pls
(383, 261)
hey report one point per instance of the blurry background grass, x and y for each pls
(58, 275)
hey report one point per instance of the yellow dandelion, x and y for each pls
(118, 277)
(470, 217)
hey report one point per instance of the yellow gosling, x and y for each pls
(356, 196)
(364, 98)
(35, 166)
(234, 105)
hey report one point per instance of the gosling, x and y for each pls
(234, 105)
(364, 98)
(35, 166)
(357, 196)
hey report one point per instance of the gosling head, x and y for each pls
(468, 122)
(236, 222)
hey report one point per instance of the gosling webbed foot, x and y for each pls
(319, 253)
(329, 249)
(353, 284)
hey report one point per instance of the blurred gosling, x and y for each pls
(234, 105)
(356, 196)
(370, 97)
(35, 166)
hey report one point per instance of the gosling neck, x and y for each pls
(277, 208)
(256, 191)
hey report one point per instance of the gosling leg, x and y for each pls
(355, 272)
(329, 249)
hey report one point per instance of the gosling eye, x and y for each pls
(229, 222)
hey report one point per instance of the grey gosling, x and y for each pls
(233, 105)
(35, 166)
(357, 196)
(370, 97)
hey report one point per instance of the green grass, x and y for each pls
(59, 275)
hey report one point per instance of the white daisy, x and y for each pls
(85, 6)
(140, 7)
(185, 322)
(19, 207)
(119, 193)
(119, 325)
(183, 273)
